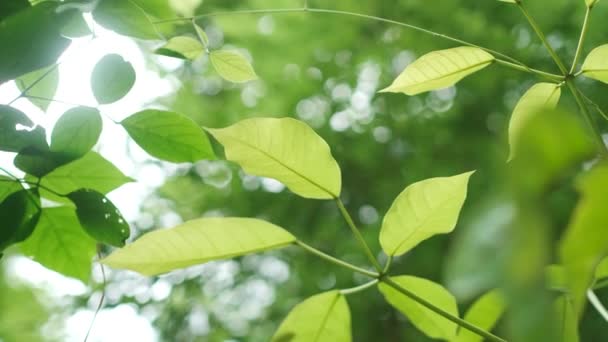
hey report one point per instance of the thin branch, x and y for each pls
(461, 322)
(547, 75)
(336, 260)
(597, 134)
(358, 235)
(101, 300)
(581, 40)
(26, 89)
(359, 288)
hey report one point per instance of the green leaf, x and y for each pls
(60, 244)
(585, 242)
(285, 149)
(112, 79)
(555, 276)
(76, 132)
(99, 217)
(565, 319)
(89, 172)
(20, 212)
(76, 27)
(539, 96)
(8, 8)
(125, 17)
(8, 186)
(17, 131)
(440, 69)
(169, 136)
(484, 314)
(31, 39)
(182, 47)
(202, 35)
(601, 271)
(321, 318)
(46, 86)
(591, 3)
(37, 161)
(232, 66)
(427, 321)
(422, 210)
(196, 242)
(596, 64)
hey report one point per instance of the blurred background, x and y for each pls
(326, 70)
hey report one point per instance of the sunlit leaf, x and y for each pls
(596, 64)
(539, 96)
(99, 217)
(484, 314)
(76, 27)
(20, 212)
(196, 242)
(601, 271)
(422, 210)
(89, 172)
(31, 39)
(232, 66)
(41, 83)
(17, 131)
(555, 276)
(285, 149)
(169, 136)
(37, 161)
(565, 319)
(585, 241)
(321, 318)
(182, 47)
(112, 78)
(8, 186)
(60, 244)
(76, 132)
(125, 17)
(440, 69)
(432, 324)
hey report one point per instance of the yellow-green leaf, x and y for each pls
(232, 66)
(432, 324)
(440, 69)
(182, 47)
(422, 210)
(565, 319)
(40, 88)
(484, 314)
(196, 242)
(596, 64)
(321, 318)
(539, 96)
(284, 149)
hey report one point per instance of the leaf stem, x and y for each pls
(548, 75)
(522, 66)
(461, 322)
(336, 261)
(599, 140)
(357, 233)
(581, 40)
(595, 105)
(597, 304)
(542, 37)
(359, 288)
(9, 174)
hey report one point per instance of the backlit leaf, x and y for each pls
(60, 244)
(422, 210)
(440, 69)
(31, 39)
(37, 161)
(17, 131)
(196, 242)
(8, 186)
(321, 318)
(8, 8)
(565, 319)
(169, 136)
(285, 149)
(43, 84)
(484, 314)
(20, 212)
(76, 27)
(538, 97)
(596, 64)
(76, 132)
(112, 78)
(125, 17)
(232, 66)
(182, 47)
(432, 324)
(99, 217)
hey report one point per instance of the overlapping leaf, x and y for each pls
(284, 149)
(182, 47)
(484, 314)
(196, 242)
(596, 64)
(76, 132)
